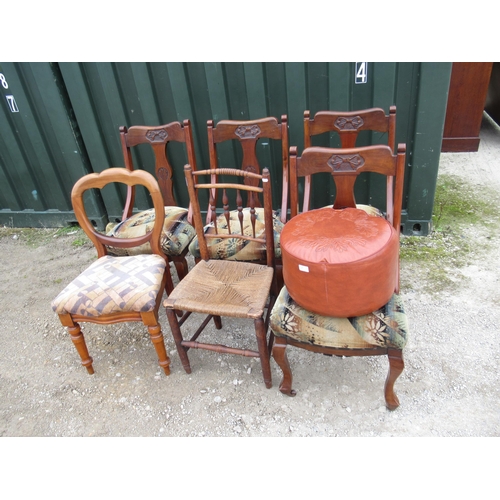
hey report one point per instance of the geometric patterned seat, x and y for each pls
(113, 284)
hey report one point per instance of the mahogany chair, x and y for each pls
(177, 228)
(341, 266)
(218, 287)
(249, 135)
(347, 125)
(117, 289)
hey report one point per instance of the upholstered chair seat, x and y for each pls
(238, 249)
(113, 284)
(385, 327)
(176, 235)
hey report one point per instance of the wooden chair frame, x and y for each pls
(100, 241)
(213, 308)
(158, 138)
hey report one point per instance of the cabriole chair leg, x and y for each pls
(279, 355)
(396, 366)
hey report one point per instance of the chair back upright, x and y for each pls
(232, 198)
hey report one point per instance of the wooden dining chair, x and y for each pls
(117, 289)
(177, 230)
(348, 126)
(253, 137)
(341, 266)
(218, 287)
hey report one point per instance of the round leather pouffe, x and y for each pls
(340, 263)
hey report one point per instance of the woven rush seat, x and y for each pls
(176, 234)
(224, 288)
(113, 284)
(385, 327)
(340, 263)
(238, 249)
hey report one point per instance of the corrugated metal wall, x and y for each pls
(41, 155)
(69, 115)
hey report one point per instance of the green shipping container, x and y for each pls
(70, 113)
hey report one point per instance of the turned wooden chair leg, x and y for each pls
(158, 341)
(79, 342)
(260, 332)
(217, 322)
(396, 367)
(176, 333)
(279, 355)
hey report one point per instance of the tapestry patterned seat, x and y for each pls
(386, 327)
(176, 235)
(384, 331)
(238, 249)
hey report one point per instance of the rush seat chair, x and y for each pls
(341, 267)
(219, 287)
(177, 230)
(117, 289)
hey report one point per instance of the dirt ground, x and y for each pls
(449, 386)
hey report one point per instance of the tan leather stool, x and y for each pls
(340, 263)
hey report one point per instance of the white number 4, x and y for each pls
(361, 72)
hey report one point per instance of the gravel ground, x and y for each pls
(449, 387)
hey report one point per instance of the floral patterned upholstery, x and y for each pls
(237, 249)
(387, 327)
(113, 284)
(176, 235)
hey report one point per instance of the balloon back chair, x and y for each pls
(341, 267)
(177, 230)
(117, 289)
(219, 287)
